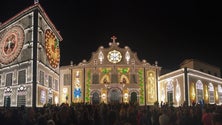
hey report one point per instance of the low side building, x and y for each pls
(191, 85)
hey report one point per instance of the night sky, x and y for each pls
(163, 30)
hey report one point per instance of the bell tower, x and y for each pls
(29, 59)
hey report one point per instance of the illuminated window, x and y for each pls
(95, 79)
(50, 81)
(67, 79)
(21, 100)
(41, 78)
(42, 97)
(9, 79)
(56, 85)
(199, 87)
(22, 77)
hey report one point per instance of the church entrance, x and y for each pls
(7, 101)
(170, 97)
(115, 96)
(133, 98)
(95, 98)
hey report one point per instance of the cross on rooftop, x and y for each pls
(36, 1)
(114, 39)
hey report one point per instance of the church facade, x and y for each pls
(115, 75)
(112, 75)
(29, 59)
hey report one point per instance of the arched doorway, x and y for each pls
(115, 96)
(7, 101)
(170, 92)
(133, 98)
(95, 98)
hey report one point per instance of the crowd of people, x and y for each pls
(112, 114)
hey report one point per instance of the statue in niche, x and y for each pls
(77, 89)
(123, 81)
(105, 81)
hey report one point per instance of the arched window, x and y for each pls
(95, 98)
(199, 90)
(170, 88)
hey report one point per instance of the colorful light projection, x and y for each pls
(123, 70)
(151, 86)
(11, 44)
(141, 84)
(42, 97)
(88, 84)
(77, 93)
(52, 48)
(77, 87)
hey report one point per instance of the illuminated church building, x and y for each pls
(112, 75)
(115, 74)
(30, 72)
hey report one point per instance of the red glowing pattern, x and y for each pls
(11, 44)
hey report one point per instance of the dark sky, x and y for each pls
(163, 30)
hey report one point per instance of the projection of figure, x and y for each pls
(151, 85)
